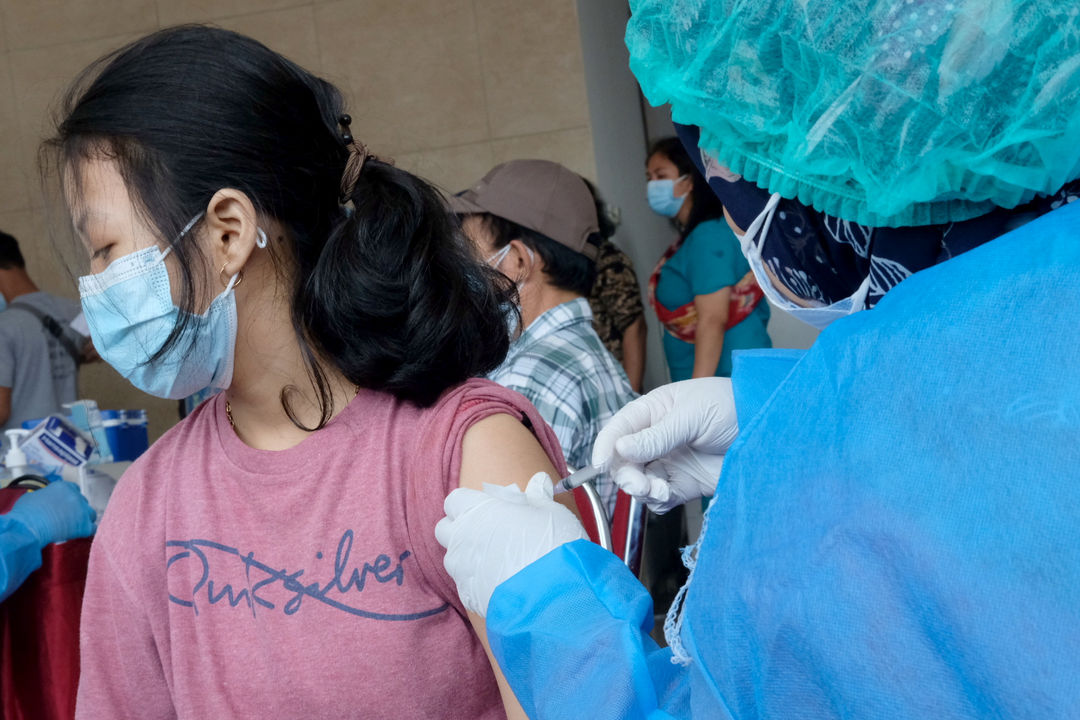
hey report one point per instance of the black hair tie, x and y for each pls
(345, 120)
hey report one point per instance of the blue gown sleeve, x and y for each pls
(571, 634)
(20, 555)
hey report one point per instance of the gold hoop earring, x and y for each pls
(225, 281)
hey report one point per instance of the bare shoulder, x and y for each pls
(501, 450)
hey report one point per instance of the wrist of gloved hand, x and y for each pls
(29, 524)
(491, 535)
(55, 513)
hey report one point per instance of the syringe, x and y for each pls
(576, 479)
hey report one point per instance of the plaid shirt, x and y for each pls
(561, 366)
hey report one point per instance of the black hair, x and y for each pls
(387, 291)
(704, 205)
(564, 268)
(11, 256)
(604, 216)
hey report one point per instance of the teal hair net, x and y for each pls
(882, 112)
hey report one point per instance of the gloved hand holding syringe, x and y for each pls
(667, 447)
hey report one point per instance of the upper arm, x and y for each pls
(500, 450)
(634, 353)
(636, 329)
(713, 309)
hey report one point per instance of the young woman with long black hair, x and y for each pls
(274, 554)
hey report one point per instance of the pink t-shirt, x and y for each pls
(228, 582)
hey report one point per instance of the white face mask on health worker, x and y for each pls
(819, 317)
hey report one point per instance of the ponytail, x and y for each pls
(396, 300)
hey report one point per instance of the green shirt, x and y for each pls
(709, 260)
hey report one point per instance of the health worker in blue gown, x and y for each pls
(895, 529)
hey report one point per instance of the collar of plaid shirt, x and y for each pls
(557, 318)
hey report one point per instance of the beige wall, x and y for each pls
(448, 89)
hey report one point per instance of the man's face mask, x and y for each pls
(496, 260)
(513, 314)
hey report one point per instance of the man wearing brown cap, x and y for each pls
(535, 221)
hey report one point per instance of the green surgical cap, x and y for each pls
(883, 112)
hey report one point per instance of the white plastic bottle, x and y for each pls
(15, 463)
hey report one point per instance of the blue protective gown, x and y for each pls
(20, 555)
(896, 532)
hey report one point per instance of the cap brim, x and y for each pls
(462, 205)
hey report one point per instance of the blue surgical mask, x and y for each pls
(129, 308)
(3, 303)
(662, 200)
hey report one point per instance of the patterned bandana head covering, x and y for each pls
(825, 259)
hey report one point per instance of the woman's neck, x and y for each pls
(683, 216)
(268, 359)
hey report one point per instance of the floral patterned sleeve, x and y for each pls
(615, 298)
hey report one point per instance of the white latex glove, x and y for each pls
(489, 536)
(667, 447)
